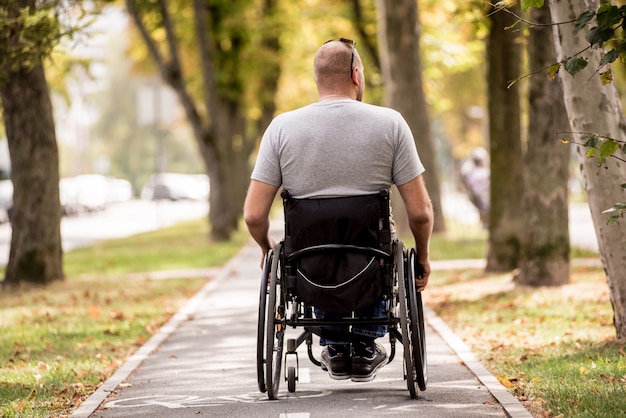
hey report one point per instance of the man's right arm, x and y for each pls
(256, 212)
(420, 214)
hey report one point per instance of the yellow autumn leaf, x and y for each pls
(504, 380)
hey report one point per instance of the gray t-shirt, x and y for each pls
(337, 148)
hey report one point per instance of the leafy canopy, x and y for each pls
(28, 35)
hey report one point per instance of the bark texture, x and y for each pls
(36, 253)
(401, 65)
(592, 107)
(544, 259)
(506, 185)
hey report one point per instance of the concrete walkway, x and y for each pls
(202, 362)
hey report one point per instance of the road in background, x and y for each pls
(582, 233)
(117, 221)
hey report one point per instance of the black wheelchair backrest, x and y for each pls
(335, 249)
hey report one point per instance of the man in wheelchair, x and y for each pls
(341, 147)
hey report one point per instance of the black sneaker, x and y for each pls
(366, 362)
(336, 361)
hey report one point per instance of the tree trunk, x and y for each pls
(544, 259)
(230, 176)
(592, 107)
(225, 134)
(506, 185)
(401, 65)
(36, 254)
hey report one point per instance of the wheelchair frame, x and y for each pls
(278, 310)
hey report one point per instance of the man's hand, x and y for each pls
(422, 274)
(272, 246)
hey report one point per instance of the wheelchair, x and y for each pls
(338, 254)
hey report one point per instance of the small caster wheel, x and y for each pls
(291, 379)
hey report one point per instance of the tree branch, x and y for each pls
(207, 70)
(545, 68)
(360, 27)
(497, 8)
(173, 67)
(173, 78)
(150, 42)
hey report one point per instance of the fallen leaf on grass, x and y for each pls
(94, 311)
(21, 405)
(505, 381)
(609, 379)
(117, 315)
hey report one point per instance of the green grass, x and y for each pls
(59, 343)
(180, 247)
(554, 348)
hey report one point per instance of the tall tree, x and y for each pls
(544, 255)
(230, 100)
(401, 64)
(28, 32)
(592, 107)
(505, 213)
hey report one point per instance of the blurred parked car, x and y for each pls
(68, 195)
(82, 193)
(175, 186)
(6, 199)
(120, 190)
(92, 192)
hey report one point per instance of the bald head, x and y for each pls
(332, 66)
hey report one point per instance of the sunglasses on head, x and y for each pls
(348, 42)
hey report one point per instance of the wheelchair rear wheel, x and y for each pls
(260, 342)
(412, 323)
(404, 320)
(416, 316)
(275, 327)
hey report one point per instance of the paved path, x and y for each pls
(202, 363)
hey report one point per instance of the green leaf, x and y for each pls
(607, 148)
(531, 3)
(573, 65)
(613, 219)
(553, 70)
(598, 36)
(591, 140)
(609, 57)
(620, 206)
(606, 77)
(591, 152)
(623, 185)
(608, 16)
(583, 19)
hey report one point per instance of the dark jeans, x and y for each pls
(377, 310)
